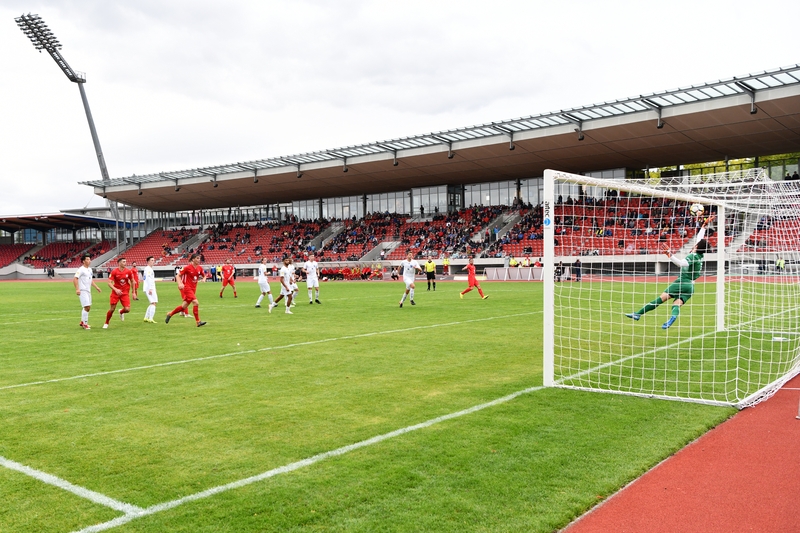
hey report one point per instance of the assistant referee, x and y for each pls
(430, 272)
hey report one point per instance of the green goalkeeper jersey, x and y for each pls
(692, 272)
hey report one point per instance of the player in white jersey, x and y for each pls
(294, 287)
(311, 268)
(263, 284)
(83, 282)
(409, 269)
(287, 277)
(149, 288)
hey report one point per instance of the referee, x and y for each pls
(430, 272)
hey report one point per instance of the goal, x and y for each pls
(735, 339)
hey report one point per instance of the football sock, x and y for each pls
(649, 307)
(310, 294)
(196, 312)
(177, 310)
(465, 291)
(403, 299)
(85, 316)
(480, 292)
(434, 285)
(109, 315)
(260, 298)
(676, 310)
(317, 294)
(269, 295)
(411, 294)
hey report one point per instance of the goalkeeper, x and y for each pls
(682, 288)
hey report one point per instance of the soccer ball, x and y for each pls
(696, 210)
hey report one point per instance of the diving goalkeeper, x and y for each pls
(682, 288)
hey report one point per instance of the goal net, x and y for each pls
(734, 338)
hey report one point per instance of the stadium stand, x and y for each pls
(56, 254)
(97, 250)
(159, 243)
(11, 252)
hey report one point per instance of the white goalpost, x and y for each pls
(726, 330)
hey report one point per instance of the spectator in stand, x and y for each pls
(538, 263)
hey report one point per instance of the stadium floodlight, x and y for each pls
(43, 39)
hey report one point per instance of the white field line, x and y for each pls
(266, 349)
(87, 494)
(130, 516)
(36, 320)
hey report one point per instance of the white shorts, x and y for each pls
(409, 282)
(86, 298)
(152, 298)
(285, 292)
(312, 282)
(294, 288)
(264, 286)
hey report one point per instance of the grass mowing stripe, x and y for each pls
(265, 349)
(85, 493)
(140, 513)
(269, 348)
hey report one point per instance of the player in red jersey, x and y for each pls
(228, 271)
(135, 280)
(187, 284)
(472, 280)
(120, 280)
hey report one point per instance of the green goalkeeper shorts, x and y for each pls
(681, 290)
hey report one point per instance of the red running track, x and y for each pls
(742, 476)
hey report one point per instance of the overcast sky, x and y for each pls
(179, 84)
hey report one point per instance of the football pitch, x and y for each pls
(353, 415)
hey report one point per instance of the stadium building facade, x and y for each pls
(739, 119)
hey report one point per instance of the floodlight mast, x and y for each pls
(43, 39)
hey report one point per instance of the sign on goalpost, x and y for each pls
(717, 326)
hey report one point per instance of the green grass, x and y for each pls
(254, 391)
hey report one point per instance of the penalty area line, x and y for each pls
(129, 517)
(265, 349)
(84, 493)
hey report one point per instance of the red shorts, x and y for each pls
(473, 283)
(124, 299)
(228, 281)
(188, 295)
